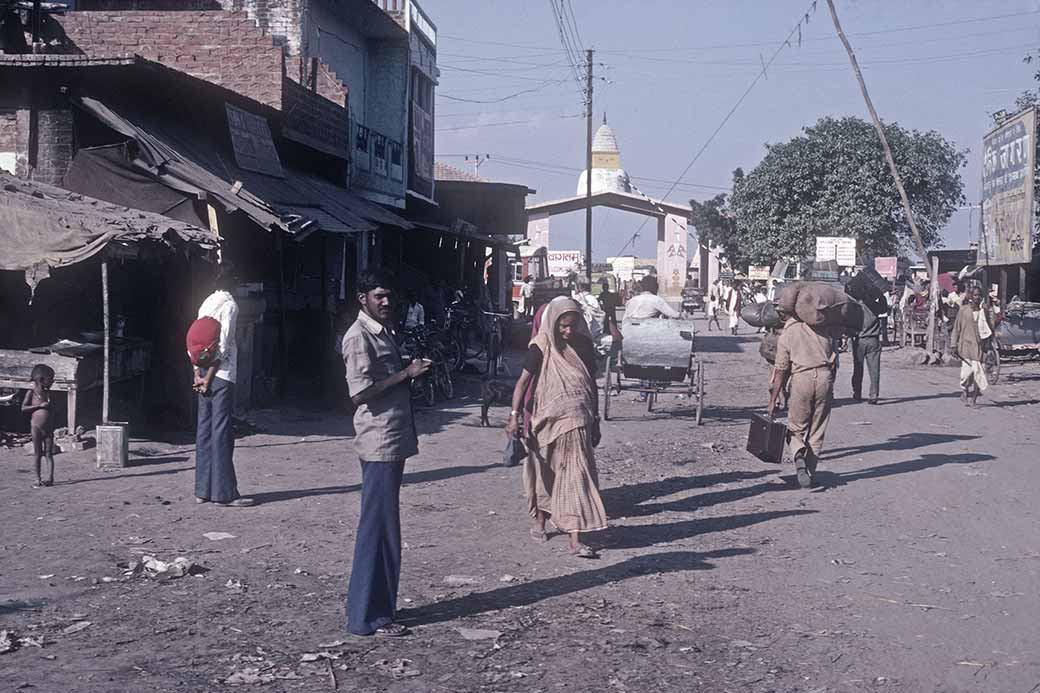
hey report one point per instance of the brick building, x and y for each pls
(300, 130)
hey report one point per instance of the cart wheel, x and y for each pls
(606, 390)
(700, 393)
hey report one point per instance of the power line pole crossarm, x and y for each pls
(588, 164)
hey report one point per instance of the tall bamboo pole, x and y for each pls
(106, 383)
(884, 142)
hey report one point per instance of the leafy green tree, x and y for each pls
(833, 181)
(716, 226)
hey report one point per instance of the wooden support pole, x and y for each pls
(283, 338)
(106, 382)
(884, 144)
(588, 165)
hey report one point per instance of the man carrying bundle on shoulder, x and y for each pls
(805, 357)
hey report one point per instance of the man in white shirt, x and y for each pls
(416, 315)
(590, 307)
(648, 304)
(527, 297)
(215, 479)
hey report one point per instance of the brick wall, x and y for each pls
(329, 85)
(54, 149)
(282, 19)
(225, 48)
(8, 131)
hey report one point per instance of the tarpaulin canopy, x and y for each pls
(181, 159)
(43, 226)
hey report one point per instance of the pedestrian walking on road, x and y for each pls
(714, 300)
(805, 356)
(214, 382)
(866, 349)
(734, 304)
(560, 477)
(384, 438)
(970, 330)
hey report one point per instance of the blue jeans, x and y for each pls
(215, 445)
(376, 571)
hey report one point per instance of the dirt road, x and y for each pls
(914, 567)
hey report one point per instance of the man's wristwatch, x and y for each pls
(514, 413)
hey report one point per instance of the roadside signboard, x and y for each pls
(1008, 163)
(887, 267)
(837, 248)
(758, 272)
(252, 143)
(561, 262)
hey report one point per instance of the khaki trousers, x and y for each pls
(808, 412)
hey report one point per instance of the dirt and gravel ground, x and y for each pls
(914, 567)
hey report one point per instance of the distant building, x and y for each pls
(607, 174)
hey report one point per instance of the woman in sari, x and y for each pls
(560, 471)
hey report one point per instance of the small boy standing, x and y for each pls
(37, 404)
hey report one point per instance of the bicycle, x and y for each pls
(464, 332)
(495, 342)
(417, 343)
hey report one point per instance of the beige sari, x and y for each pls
(560, 471)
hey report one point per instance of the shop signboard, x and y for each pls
(315, 121)
(758, 272)
(840, 249)
(561, 262)
(887, 267)
(252, 143)
(1008, 165)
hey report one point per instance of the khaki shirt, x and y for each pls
(384, 428)
(801, 348)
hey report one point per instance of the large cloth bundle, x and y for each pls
(761, 315)
(867, 286)
(814, 303)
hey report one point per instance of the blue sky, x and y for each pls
(671, 69)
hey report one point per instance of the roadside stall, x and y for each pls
(50, 234)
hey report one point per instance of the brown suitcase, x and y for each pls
(766, 439)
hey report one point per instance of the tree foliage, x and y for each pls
(833, 181)
(715, 224)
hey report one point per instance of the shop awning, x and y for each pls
(179, 160)
(44, 226)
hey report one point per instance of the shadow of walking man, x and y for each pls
(533, 592)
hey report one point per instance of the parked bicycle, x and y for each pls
(419, 343)
(495, 342)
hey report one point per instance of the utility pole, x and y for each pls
(588, 164)
(884, 143)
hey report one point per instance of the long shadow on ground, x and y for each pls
(641, 536)
(826, 478)
(534, 592)
(903, 441)
(409, 478)
(627, 501)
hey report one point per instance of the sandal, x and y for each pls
(584, 551)
(392, 630)
(539, 535)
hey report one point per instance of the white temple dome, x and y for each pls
(605, 142)
(607, 174)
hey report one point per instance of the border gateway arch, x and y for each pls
(672, 229)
